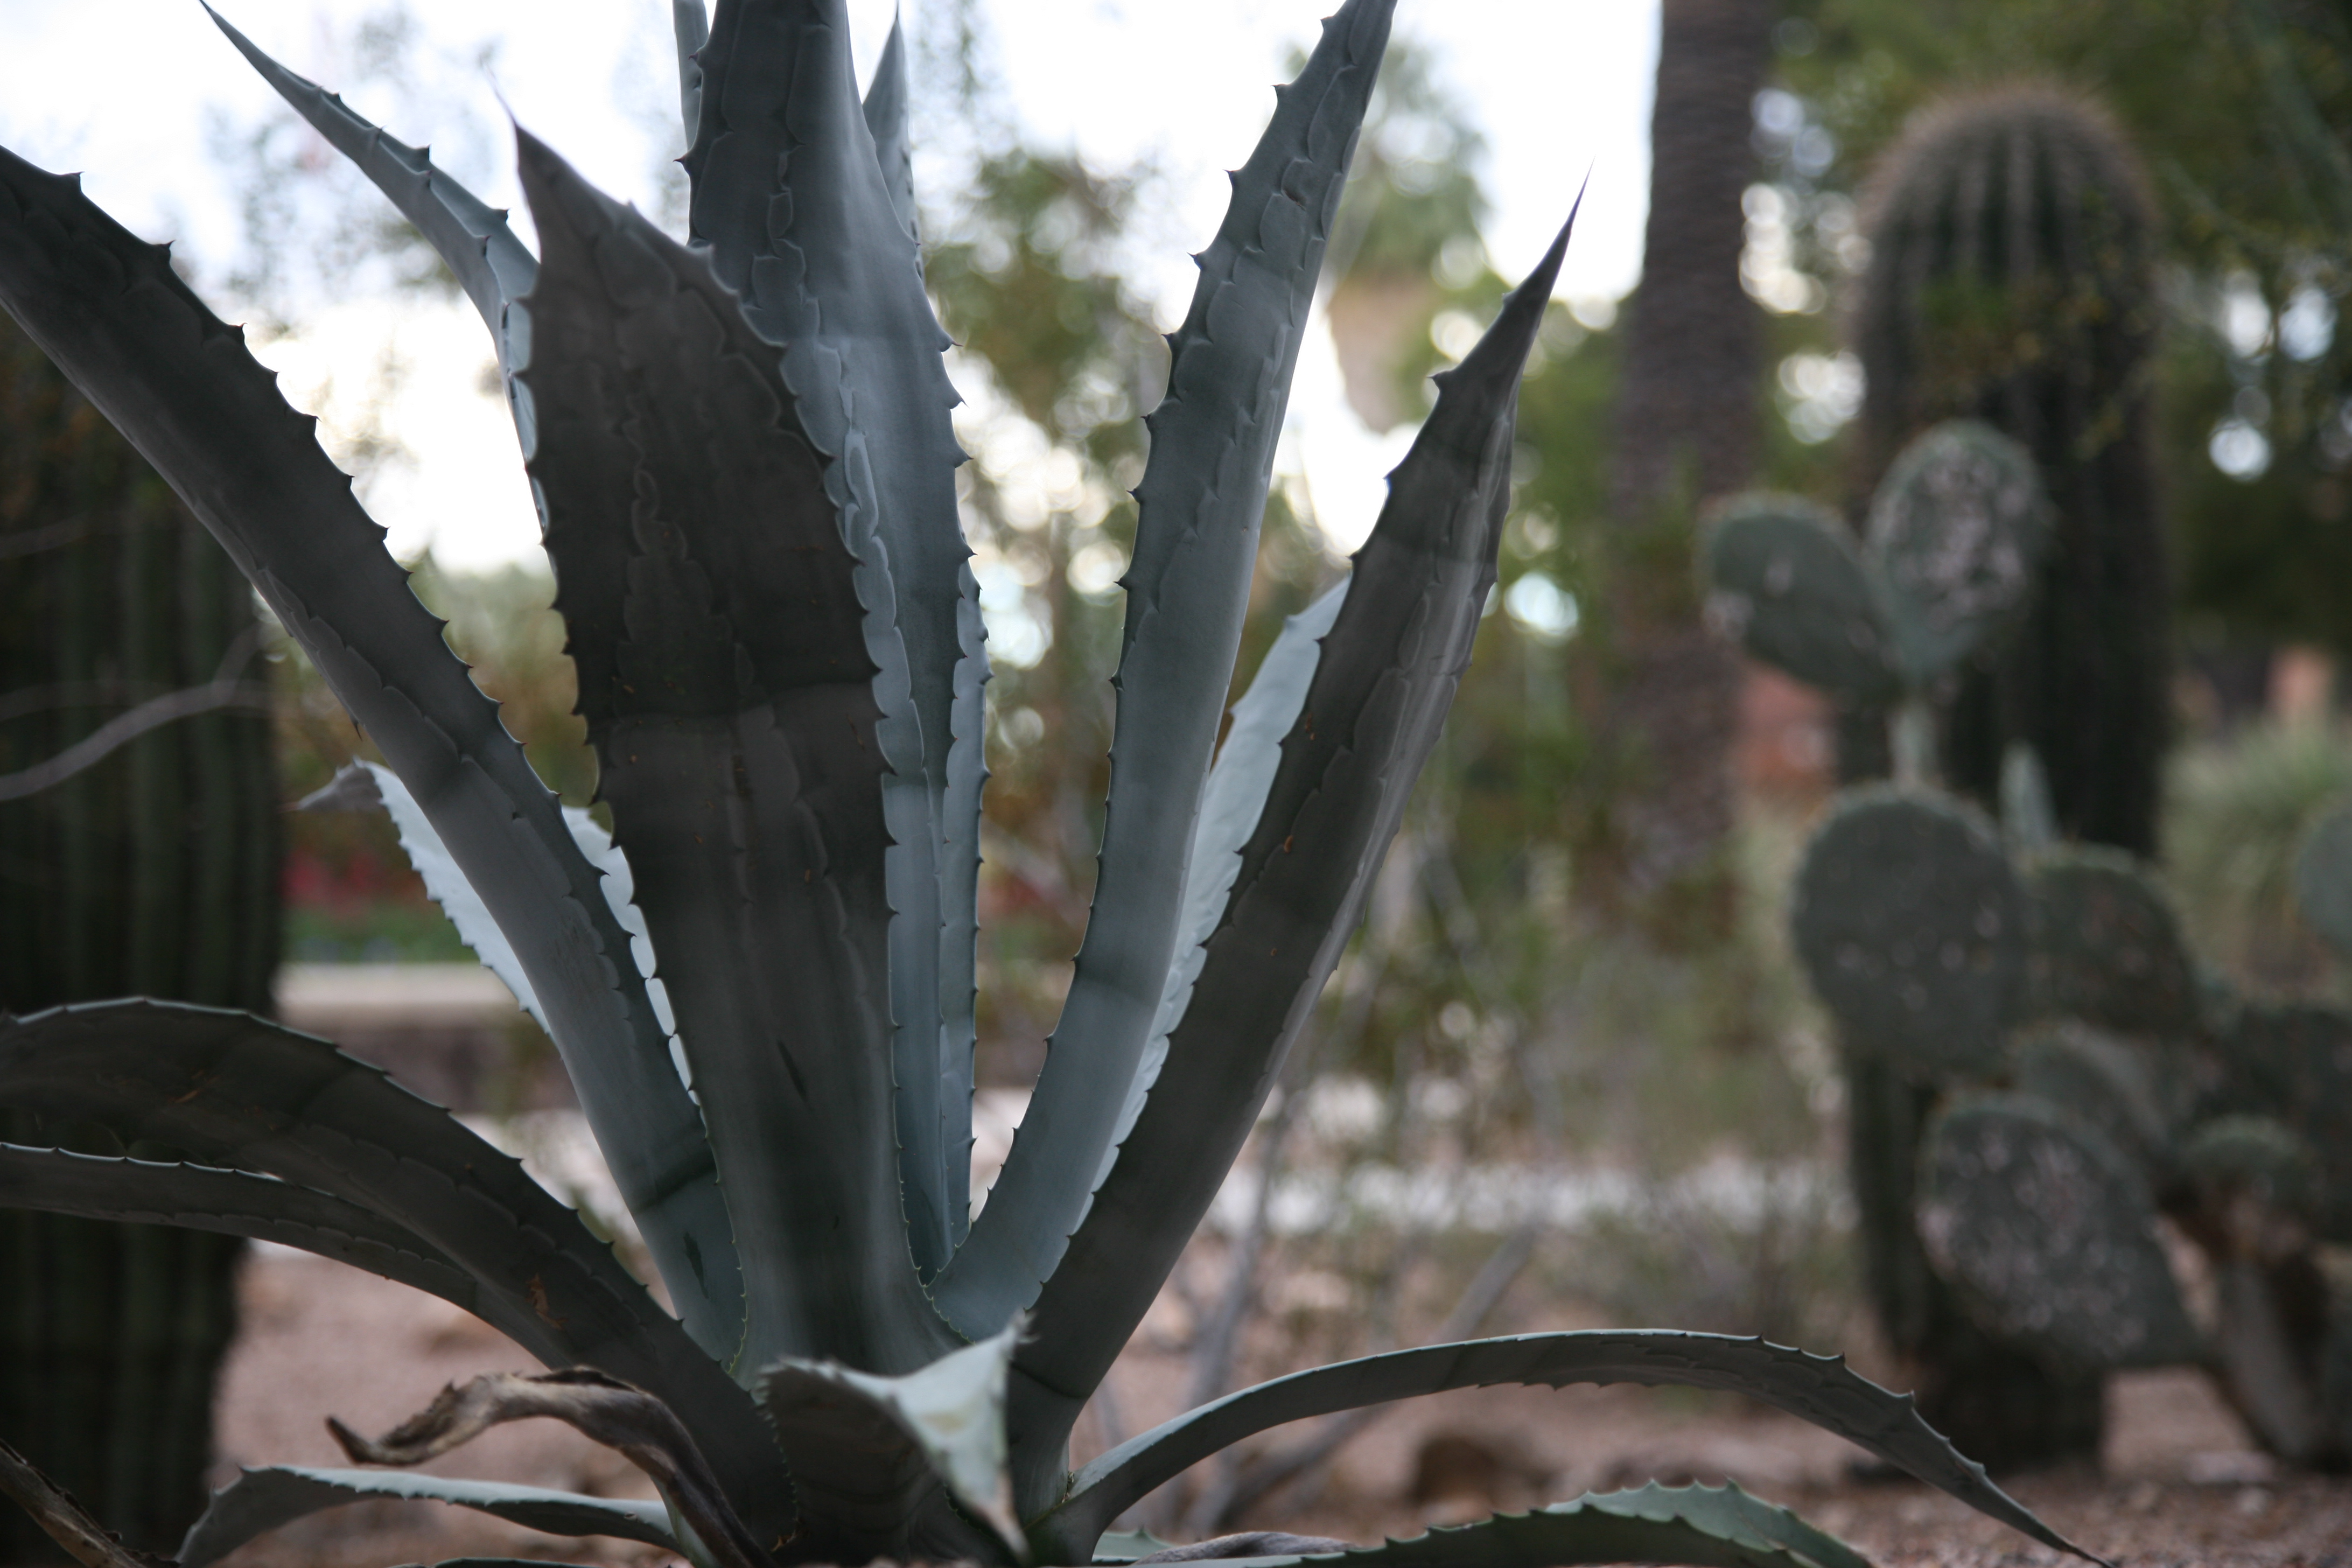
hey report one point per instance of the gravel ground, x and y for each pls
(2177, 1487)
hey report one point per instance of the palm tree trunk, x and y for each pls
(153, 872)
(1686, 432)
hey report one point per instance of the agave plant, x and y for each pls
(763, 983)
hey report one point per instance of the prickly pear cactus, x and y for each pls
(1913, 930)
(2123, 1090)
(1956, 531)
(1787, 583)
(1955, 535)
(2108, 949)
(2048, 1232)
(2293, 1062)
(2323, 879)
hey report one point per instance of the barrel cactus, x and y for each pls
(762, 979)
(2073, 1082)
(2012, 281)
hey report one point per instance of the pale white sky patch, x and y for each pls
(125, 92)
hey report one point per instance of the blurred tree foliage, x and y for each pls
(2244, 107)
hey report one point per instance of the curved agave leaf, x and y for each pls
(261, 1501)
(239, 1091)
(798, 218)
(1393, 657)
(1819, 1389)
(179, 384)
(869, 1455)
(240, 1203)
(1202, 500)
(471, 236)
(1709, 1527)
(620, 1415)
(718, 619)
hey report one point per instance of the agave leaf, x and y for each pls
(370, 786)
(691, 22)
(623, 1418)
(737, 749)
(1391, 661)
(240, 1203)
(886, 121)
(793, 207)
(1202, 500)
(261, 1499)
(1712, 1527)
(869, 1455)
(239, 1091)
(1819, 1389)
(110, 313)
(471, 236)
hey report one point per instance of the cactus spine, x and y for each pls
(2011, 281)
(154, 871)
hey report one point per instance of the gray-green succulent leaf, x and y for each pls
(1819, 1389)
(263, 1499)
(252, 1097)
(1201, 503)
(110, 311)
(1386, 674)
(1709, 1527)
(869, 1454)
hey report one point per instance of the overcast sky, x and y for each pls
(125, 91)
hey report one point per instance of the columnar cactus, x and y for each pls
(2074, 1089)
(154, 869)
(762, 981)
(2012, 281)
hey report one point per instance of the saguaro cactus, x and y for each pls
(153, 870)
(2011, 281)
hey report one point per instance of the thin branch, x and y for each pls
(223, 691)
(53, 1509)
(125, 727)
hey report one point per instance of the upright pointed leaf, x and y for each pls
(113, 314)
(1386, 676)
(691, 22)
(1819, 1389)
(1202, 497)
(792, 205)
(471, 236)
(885, 121)
(238, 1091)
(870, 1455)
(261, 1499)
(718, 621)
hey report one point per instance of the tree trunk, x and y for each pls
(1686, 432)
(153, 872)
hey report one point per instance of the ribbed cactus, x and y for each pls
(153, 870)
(761, 979)
(2012, 281)
(2049, 1123)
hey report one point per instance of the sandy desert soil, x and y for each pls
(2177, 1487)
